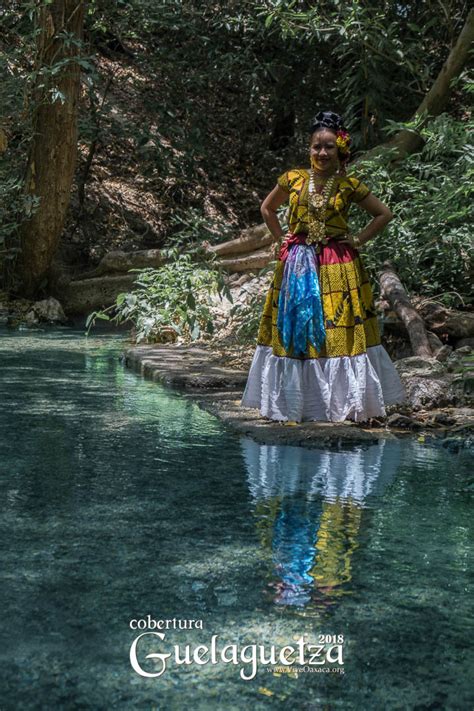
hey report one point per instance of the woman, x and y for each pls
(319, 355)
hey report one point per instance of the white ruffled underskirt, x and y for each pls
(323, 389)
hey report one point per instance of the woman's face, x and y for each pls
(323, 151)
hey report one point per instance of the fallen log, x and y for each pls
(250, 239)
(393, 291)
(254, 260)
(117, 261)
(440, 320)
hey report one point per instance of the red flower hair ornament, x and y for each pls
(343, 141)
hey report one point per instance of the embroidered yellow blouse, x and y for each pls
(346, 190)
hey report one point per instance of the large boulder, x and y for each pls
(427, 383)
(82, 296)
(421, 367)
(47, 311)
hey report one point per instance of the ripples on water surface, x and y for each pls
(123, 499)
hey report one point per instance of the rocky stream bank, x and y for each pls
(439, 404)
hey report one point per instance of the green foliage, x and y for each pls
(204, 104)
(232, 86)
(175, 296)
(431, 194)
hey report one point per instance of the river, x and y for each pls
(124, 505)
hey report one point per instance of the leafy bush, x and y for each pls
(431, 196)
(174, 297)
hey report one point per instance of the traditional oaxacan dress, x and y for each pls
(323, 363)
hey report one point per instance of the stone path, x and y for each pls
(197, 372)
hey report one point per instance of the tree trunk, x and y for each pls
(406, 142)
(393, 291)
(52, 155)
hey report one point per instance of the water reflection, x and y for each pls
(309, 506)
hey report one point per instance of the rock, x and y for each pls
(234, 278)
(118, 261)
(49, 310)
(428, 393)
(241, 279)
(464, 342)
(31, 319)
(402, 421)
(221, 305)
(464, 350)
(464, 416)
(443, 353)
(82, 296)
(421, 367)
(435, 343)
(442, 418)
(427, 383)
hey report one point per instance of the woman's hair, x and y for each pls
(333, 122)
(327, 119)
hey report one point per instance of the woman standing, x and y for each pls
(319, 354)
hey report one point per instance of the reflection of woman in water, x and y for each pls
(309, 506)
(294, 533)
(337, 540)
(313, 544)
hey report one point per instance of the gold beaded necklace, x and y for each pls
(317, 203)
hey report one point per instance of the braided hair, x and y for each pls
(333, 122)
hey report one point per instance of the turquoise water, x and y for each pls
(122, 499)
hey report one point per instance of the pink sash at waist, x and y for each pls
(293, 238)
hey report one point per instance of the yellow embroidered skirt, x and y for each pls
(351, 377)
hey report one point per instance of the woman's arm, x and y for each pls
(381, 217)
(269, 207)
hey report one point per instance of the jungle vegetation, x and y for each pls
(134, 124)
